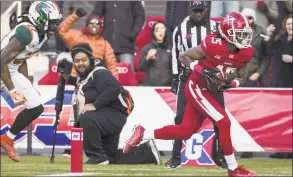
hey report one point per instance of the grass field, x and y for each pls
(40, 166)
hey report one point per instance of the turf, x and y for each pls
(39, 165)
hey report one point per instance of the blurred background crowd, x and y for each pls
(137, 53)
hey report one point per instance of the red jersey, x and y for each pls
(218, 55)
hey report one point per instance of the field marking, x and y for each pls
(72, 174)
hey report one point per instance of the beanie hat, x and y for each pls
(249, 12)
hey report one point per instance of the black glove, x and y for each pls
(213, 82)
(80, 12)
(227, 84)
(174, 86)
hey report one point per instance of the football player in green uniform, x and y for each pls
(20, 44)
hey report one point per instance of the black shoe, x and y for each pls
(156, 153)
(67, 153)
(96, 161)
(174, 162)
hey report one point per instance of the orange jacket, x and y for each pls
(101, 48)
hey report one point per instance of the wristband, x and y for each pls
(197, 68)
(235, 83)
(12, 91)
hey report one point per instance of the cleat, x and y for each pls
(135, 139)
(174, 162)
(7, 145)
(241, 171)
(155, 152)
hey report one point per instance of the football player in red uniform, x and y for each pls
(225, 52)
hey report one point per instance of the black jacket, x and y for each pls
(101, 90)
(158, 71)
(123, 20)
(282, 73)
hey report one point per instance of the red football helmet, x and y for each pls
(235, 29)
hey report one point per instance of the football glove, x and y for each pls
(212, 78)
(227, 84)
(17, 97)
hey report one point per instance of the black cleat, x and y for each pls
(174, 162)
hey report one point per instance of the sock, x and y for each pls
(231, 161)
(10, 135)
(148, 135)
(24, 118)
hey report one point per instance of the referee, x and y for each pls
(187, 35)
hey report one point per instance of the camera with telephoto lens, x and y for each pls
(64, 63)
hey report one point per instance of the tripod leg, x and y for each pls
(54, 139)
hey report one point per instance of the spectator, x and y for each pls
(221, 8)
(122, 23)
(102, 107)
(156, 59)
(259, 64)
(282, 71)
(101, 48)
(276, 11)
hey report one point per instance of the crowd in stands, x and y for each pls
(137, 49)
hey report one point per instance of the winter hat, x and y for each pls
(248, 12)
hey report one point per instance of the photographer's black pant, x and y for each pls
(141, 154)
(101, 133)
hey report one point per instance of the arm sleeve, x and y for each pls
(110, 60)
(66, 33)
(139, 15)
(175, 51)
(143, 63)
(109, 87)
(24, 35)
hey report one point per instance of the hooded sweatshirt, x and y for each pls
(158, 71)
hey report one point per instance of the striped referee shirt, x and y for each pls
(185, 36)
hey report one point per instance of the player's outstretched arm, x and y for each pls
(10, 51)
(190, 55)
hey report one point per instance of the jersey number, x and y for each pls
(226, 70)
(216, 41)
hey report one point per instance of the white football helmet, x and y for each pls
(45, 15)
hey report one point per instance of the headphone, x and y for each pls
(84, 50)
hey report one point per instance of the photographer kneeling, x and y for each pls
(101, 107)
